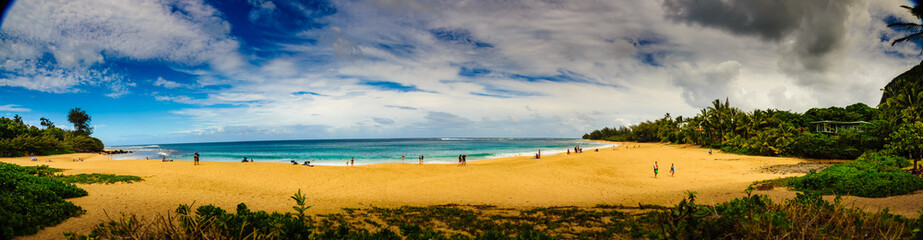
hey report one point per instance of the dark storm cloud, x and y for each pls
(818, 28)
(766, 19)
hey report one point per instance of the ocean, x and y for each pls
(365, 151)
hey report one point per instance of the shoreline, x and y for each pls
(611, 176)
(371, 161)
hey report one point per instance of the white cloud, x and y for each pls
(551, 69)
(474, 68)
(83, 35)
(169, 84)
(13, 108)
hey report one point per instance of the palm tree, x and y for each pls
(916, 28)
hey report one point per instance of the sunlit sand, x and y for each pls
(612, 176)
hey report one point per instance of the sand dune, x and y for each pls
(610, 176)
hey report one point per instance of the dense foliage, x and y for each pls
(807, 216)
(29, 200)
(20, 139)
(871, 175)
(762, 132)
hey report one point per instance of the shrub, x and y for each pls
(871, 175)
(29, 203)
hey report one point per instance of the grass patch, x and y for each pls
(30, 200)
(870, 175)
(98, 178)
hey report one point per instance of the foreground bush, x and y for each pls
(29, 203)
(871, 175)
(807, 216)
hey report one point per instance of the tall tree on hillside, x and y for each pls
(81, 121)
(916, 29)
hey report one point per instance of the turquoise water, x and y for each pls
(365, 151)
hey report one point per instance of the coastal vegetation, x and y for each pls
(807, 216)
(769, 132)
(871, 175)
(30, 200)
(20, 139)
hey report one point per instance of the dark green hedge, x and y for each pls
(29, 203)
(871, 175)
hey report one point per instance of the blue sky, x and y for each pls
(193, 71)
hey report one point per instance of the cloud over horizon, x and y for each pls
(353, 69)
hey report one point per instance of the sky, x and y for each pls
(174, 71)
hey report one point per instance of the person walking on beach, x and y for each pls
(672, 169)
(459, 160)
(196, 159)
(421, 159)
(352, 161)
(464, 159)
(655, 169)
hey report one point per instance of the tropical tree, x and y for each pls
(47, 123)
(81, 121)
(908, 139)
(915, 28)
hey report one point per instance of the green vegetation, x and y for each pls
(761, 132)
(807, 216)
(97, 178)
(30, 200)
(871, 175)
(19, 139)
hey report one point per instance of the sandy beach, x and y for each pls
(617, 175)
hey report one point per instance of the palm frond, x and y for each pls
(911, 37)
(906, 26)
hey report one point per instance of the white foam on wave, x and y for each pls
(544, 152)
(476, 139)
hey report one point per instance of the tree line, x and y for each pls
(895, 127)
(20, 139)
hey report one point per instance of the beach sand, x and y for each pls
(611, 176)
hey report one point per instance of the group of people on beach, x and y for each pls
(672, 169)
(306, 163)
(245, 160)
(462, 160)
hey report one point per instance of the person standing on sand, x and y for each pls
(655, 169)
(421, 159)
(196, 158)
(352, 161)
(459, 160)
(672, 169)
(464, 159)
